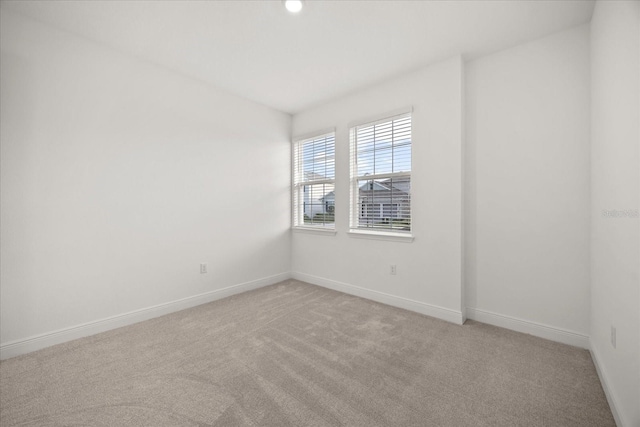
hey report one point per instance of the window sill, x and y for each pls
(381, 235)
(315, 230)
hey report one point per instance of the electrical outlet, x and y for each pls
(613, 336)
(392, 269)
(203, 268)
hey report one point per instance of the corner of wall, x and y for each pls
(604, 380)
(38, 342)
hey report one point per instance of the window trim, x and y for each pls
(322, 231)
(354, 178)
(295, 173)
(397, 236)
(383, 117)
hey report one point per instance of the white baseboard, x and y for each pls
(395, 301)
(608, 392)
(27, 345)
(528, 327)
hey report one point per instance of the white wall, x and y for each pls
(119, 178)
(429, 268)
(527, 187)
(615, 254)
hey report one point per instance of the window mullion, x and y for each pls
(384, 176)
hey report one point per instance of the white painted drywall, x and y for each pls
(527, 186)
(429, 268)
(615, 127)
(120, 177)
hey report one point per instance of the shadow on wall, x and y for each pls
(18, 159)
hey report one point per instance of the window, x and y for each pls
(314, 181)
(381, 175)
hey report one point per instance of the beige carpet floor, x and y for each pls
(294, 354)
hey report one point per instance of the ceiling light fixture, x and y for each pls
(293, 6)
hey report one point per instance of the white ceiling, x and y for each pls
(257, 50)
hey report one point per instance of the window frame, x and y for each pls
(299, 183)
(355, 228)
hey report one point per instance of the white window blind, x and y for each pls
(314, 181)
(381, 175)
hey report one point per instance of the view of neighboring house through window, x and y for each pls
(381, 175)
(314, 181)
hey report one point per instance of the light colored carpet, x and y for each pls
(294, 354)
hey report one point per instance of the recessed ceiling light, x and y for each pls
(293, 6)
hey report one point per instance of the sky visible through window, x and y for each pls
(384, 148)
(318, 159)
